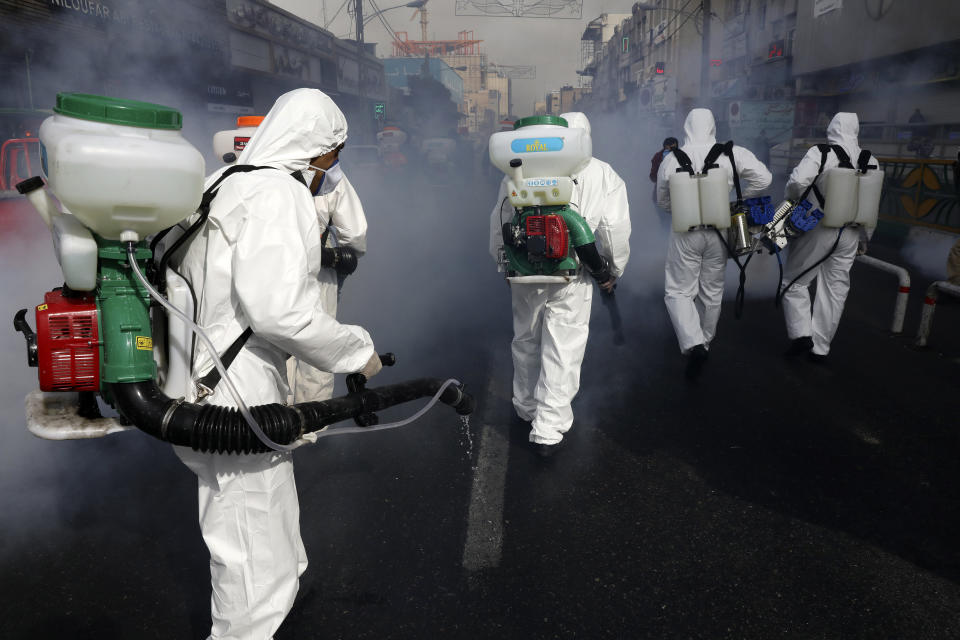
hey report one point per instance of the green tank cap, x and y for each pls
(130, 113)
(532, 120)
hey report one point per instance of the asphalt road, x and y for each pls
(771, 499)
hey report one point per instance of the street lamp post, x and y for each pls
(413, 4)
(705, 54)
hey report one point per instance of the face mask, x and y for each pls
(666, 152)
(328, 181)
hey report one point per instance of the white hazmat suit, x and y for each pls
(551, 321)
(833, 274)
(696, 260)
(341, 211)
(254, 265)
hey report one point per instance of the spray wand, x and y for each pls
(609, 300)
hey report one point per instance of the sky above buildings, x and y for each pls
(552, 45)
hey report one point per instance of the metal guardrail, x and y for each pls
(903, 290)
(11, 152)
(930, 305)
(922, 192)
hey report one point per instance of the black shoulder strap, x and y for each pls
(204, 209)
(212, 379)
(710, 161)
(726, 149)
(842, 157)
(863, 162)
(824, 151)
(685, 163)
(298, 176)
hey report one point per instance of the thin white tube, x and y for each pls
(390, 425)
(241, 405)
(224, 376)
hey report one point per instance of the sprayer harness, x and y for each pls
(863, 164)
(710, 162)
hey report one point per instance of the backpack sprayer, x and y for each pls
(547, 240)
(700, 201)
(122, 171)
(853, 194)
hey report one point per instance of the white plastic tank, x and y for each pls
(714, 198)
(840, 188)
(544, 144)
(120, 165)
(868, 197)
(76, 252)
(235, 140)
(684, 201)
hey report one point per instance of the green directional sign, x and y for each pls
(379, 109)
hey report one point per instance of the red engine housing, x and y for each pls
(554, 231)
(68, 350)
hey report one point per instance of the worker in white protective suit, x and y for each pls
(344, 225)
(254, 264)
(812, 333)
(696, 260)
(551, 321)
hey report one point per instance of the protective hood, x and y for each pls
(301, 125)
(576, 120)
(700, 128)
(844, 130)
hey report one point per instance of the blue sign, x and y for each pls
(533, 145)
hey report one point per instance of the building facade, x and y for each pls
(211, 59)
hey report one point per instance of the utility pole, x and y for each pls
(358, 10)
(705, 55)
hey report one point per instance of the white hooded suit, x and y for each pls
(342, 211)
(254, 264)
(551, 321)
(833, 274)
(696, 260)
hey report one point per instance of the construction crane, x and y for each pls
(422, 10)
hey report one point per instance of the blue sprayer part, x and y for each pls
(761, 210)
(804, 217)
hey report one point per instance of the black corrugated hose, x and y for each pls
(223, 430)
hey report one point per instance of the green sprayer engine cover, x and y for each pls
(578, 233)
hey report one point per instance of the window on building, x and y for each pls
(625, 45)
(777, 29)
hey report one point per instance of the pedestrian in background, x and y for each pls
(669, 145)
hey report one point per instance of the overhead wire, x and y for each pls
(383, 21)
(330, 21)
(692, 14)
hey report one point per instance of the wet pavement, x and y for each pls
(770, 499)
